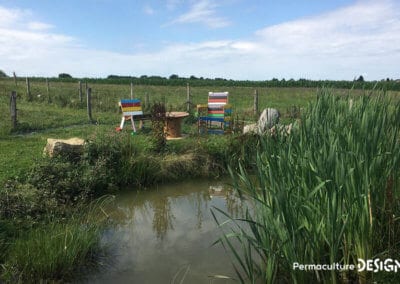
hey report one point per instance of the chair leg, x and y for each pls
(122, 122)
(133, 124)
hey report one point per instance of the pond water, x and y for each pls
(165, 235)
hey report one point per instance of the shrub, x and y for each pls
(64, 76)
(3, 74)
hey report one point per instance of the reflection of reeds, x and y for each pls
(324, 194)
(163, 216)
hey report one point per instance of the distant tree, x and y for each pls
(193, 77)
(360, 79)
(173, 76)
(3, 74)
(156, 77)
(64, 76)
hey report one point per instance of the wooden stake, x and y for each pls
(28, 89)
(131, 90)
(255, 104)
(80, 91)
(48, 90)
(13, 109)
(15, 78)
(89, 104)
(188, 97)
(147, 101)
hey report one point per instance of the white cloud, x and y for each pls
(37, 26)
(363, 38)
(361, 28)
(203, 12)
(7, 16)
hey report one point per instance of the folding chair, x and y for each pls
(130, 108)
(216, 116)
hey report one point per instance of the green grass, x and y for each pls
(58, 249)
(65, 116)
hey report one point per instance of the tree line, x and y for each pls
(175, 80)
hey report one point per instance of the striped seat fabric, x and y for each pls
(216, 104)
(130, 108)
(215, 117)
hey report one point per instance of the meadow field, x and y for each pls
(58, 111)
(328, 193)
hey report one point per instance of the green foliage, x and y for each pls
(328, 193)
(360, 79)
(158, 118)
(64, 76)
(23, 202)
(3, 74)
(57, 249)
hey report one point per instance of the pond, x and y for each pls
(165, 235)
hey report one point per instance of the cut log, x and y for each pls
(64, 147)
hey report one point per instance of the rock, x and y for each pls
(282, 129)
(251, 128)
(60, 147)
(268, 118)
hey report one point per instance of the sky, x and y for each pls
(232, 39)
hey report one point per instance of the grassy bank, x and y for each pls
(44, 236)
(328, 193)
(37, 246)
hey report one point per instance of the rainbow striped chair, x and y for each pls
(216, 116)
(130, 108)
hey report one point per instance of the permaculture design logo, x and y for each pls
(372, 265)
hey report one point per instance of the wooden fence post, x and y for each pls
(147, 101)
(80, 91)
(13, 109)
(188, 97)
(255, 103)
(89, 103)
(131, 90)
(28, 89)
(48, 90)
(15, 78)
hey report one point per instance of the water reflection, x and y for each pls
(163, 217)
(167, 230)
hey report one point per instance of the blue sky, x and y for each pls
(233, 39)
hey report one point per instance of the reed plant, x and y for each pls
(327, 193)
(58, 249)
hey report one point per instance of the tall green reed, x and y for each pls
(58, 249)
(323, 194)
